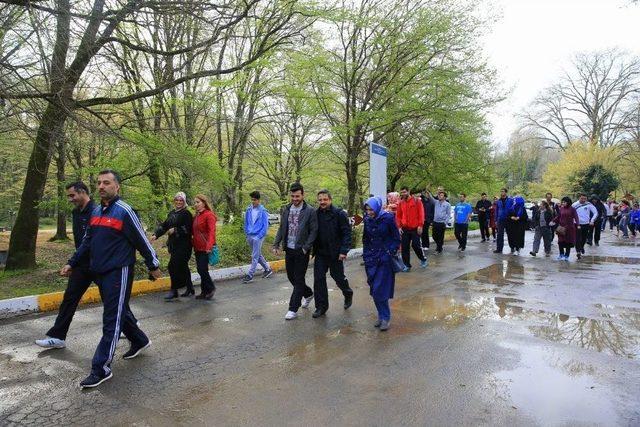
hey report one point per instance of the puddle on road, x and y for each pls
(546, 388)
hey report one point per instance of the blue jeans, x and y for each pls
(256, 255)
(502, 226)
(384, 312)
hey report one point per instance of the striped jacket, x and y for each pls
(112, 237)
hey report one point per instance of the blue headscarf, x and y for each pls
(375, 203)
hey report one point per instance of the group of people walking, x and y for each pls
(107, 235)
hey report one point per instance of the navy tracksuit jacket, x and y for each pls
(111, 240)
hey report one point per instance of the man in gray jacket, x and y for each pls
(296, 234)
(441, 215)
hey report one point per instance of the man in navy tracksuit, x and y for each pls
(504, 204)
(113, 235)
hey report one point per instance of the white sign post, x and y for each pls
(378, 170)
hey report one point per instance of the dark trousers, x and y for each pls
(384, 311)
(179, 269)
(461, 231)
(633, 228)
(565, 248)
(410, 237)
(438, 234)
(594, 232)
(202, 264)
(581, 237)
(502, 226)
(115, 289)
(612, 222)
(425, 235)
(296, 263)
(483, 221)
(78, 283)
(321, 265)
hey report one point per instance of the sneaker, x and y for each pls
(463, 249)
(483, 240)
(377, 324)
(566, 258)
(406, 269)
(267, 274)
(560, 258)
(547, 254)
(306, 301)
(518, 252)
(290, 315)
(247, 279)
(497, 252)
(51, 343)
(579, 255)
(135, 350)
(94, 380)
(384, 325)
(532, 253)
(423, 263)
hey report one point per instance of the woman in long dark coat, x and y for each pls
(517, 224)
(567, 217)
(381, 241)
(178, 226)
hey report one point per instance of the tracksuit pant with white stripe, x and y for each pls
(115, 287)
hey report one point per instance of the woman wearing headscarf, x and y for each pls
(381, 241)
(204, 238)
(517, 224)
(568, 224)
(178, 227)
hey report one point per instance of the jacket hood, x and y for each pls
(518, 201)
(375, 203)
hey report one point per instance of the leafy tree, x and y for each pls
(595, 179)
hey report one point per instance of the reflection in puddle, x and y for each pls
(542, 387)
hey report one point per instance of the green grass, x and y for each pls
(21, 283)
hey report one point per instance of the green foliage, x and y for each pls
(595, 179)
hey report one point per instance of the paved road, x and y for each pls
(476, 339)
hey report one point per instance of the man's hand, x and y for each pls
(66, 271)
(171, 231)
(153, 238)
(342, 257)
(419, 230)
(275, 251)
(156, 274)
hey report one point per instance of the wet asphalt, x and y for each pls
(475, 339)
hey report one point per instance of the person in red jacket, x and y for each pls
(204, 238)
(410, 219)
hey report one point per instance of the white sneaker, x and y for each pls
(306, 301)
(290, 315)
(51, 343)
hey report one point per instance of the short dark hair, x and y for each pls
(415, 191)
(255, 195)
(483, 194)
(404, 187)
(582, 195)
(78, 187)
(567, 200)
(462, 194)
(548, 194)
(505, 189)
(296, 186)
(115, 174)
(325, 191)
(442, 192)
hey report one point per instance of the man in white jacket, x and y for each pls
(587, 215)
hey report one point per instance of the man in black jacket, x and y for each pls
(428, 207)
(81, 277)
(330, 250)
(482, 209)
(594, 232)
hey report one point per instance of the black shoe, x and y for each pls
(209, 296)
(532, 253)
(200, 296)
(348, 300)
(318, 313)
(135, 350)
(597, 244)
(171, 295)
(94, 380)
(579, 255)
(188, 292)
(497, 252)
(483, 240)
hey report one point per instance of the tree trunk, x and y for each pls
(352, 183)
(61, 212)
(22, 244)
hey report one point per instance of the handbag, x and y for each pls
(214, 256)
(396, 263)
(561, 231)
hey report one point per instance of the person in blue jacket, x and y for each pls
(634, 219)
(503, 206)
(517, 224)
(256, 225)
(110, 241)
(380, 241)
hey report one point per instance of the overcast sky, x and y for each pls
(535, 39)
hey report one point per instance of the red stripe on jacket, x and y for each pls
(106, 221)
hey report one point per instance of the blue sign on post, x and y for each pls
(378, 170)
